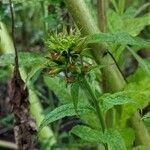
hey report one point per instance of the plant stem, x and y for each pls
(43, 15)
(8, 145)
(96, 106)
(35, 105)
(85, 22)
(95, 102)
(141, 131)
(113, 80)
(121, 6)
(142, 8)
(101, 15)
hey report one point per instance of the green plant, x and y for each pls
(80, 73)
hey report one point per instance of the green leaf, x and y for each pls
(75, 93)
(25, 59)
(111, 136)
(135, 25)
(63, 111)
(114, 140)
(146, 119)
(139, 91)
(35, 68)
(147, 115)
(58, 86)
(127, 22)
(142, 62)
(110, 100)
(122, 38)
(88, 134)
(5, 39)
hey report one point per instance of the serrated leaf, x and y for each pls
(110, 100)
(58, 86)
(25, 59)
(139, 91)
(127, 22)
(74, 94)
(135, 25)
(88, 134)
(122, 38)
(63, 111)
(114, 140)
(111, 136)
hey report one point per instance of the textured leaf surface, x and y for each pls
(61, 112)
(110, 100)
(88, 134)
(111, 137)
(140, 92)
(114, 140)
(122, 38)
(25, 59)
(135, 25)
(127, 22)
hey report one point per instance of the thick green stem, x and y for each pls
(112, 78)
(141, 131)
(7, 47)
(85, 22)
(101, 15)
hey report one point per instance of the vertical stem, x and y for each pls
(96, 104)
(102, 22)
(35, 105)
(85, 22)
(13, 35)
(141, 131)
(43, 15)
(113, 79)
